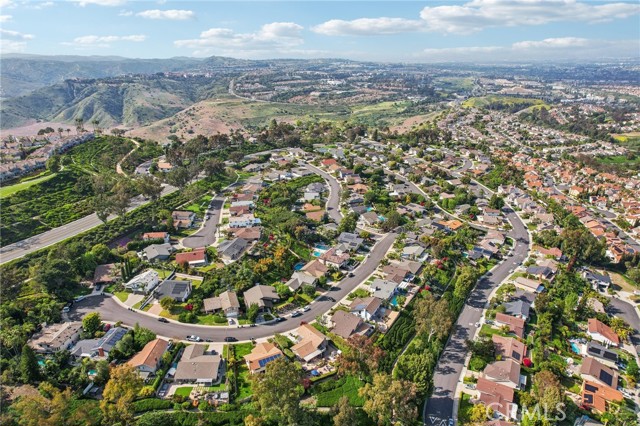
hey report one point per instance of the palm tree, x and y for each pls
(60, 130)
(79, 125)
(96, 128)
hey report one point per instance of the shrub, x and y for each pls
(151, 404)
(477, 364)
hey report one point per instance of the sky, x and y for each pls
(387, 31)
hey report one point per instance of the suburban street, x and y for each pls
(628, 313)
(111, 310)
(333, 203)
(53, 236)
(206, 235)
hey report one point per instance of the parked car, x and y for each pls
(230, 339)
(306, 308)
(280, 319)
(66, 309)
(161, 319)
(193, 338)
(331, 299)
(296, 314)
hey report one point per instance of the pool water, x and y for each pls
(298, 266)
(317, 253)
(394, 301)
(575, 348)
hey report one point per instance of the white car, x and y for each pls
(306, 308)
(193, 338)
(65, 309)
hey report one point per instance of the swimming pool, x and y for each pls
(575, 348)
(298, 266)
(394, 301)
(317, 253)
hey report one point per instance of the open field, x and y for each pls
(5, 191)
(507, 101)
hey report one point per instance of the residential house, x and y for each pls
(366, 308)
(528, 284)
(541, 272)
(156, 236)
(383, 289)
(369, 218)
(595, 371)
(413, 252)
(56, 337)
(183, 219)
(106, 343)
(199, 366)
(226, 302)
(586, 421)
(509, 348)
(505, 372)
(598, 397)
(178, 290)
(299, 279)
(335, 258)
(144, 282)
(605, 355)
(599, 282)
(244, 221)
(262, 295)
(350, 240)
(315, 268)
(148, 360)
(157, 252)
(316, 216)
(194, 258)
(232, 249)
(106, 274)
(310, 343)
(518, 309)
(346, 324)
(248, 234)
(515, 325)
(602, 333)
(261, 355)
(497, 396)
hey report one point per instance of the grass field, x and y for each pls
(243, 349)
(348, 388)
(5, 191)
(184, 391)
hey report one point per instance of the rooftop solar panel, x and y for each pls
(606, 377)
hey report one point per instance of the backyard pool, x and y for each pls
(298, 266)
(575, 348)
(319, 250)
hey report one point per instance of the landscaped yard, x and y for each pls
(5, 191)
(122, 295)
(184, 391)
(465, 408)
(347, 386)
(243, 349)
(244, 385)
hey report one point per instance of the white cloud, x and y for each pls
(103, 41)
(6, 3)
(100, 2)
(16, 35)
(368, 26)
(273, 37)
(548, 49)
(5, 18)
(171, 15)
(477, 15)
(125, 12)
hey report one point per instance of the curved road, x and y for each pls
(206, 235)
(110, 310)
(333, 203)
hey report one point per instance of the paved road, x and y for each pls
(439, 407)
(333, 203)
(46, 239)
(206, 235)
(628, 313)
(110, 310)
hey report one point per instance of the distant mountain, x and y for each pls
(130, 101)
(22, 74)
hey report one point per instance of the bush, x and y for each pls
(186, 405)
(151, 404)
(477, 364)
(347, 386)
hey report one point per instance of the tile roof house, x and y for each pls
(497, 396)
(300, 279)
(516, 325)
(56, 337)
(506, 372)
(509, 348)
(197, 365)
(226, 302)
(248, 234)
(598, 396)
(346, 324)
(196, 257)
(149, 358)
(310, 342)
(183, 218)
(262, 295)
(602, 333)
(604, 354)
(315, 268)
(367, 308)
(156, 236)
(335, 258)
(595, 371)
(178, 290)
(261, 355)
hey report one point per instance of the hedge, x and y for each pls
(150, 404)
(184, 418)
(347, 386)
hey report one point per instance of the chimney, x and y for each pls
(100, 352)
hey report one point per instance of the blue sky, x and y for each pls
(412, 31)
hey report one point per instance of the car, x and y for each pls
(296, 314)
(451, 422)
(306, 308)
(252, 325)
(280, 319)
(66, 309)
(79, 298)
(351, 275)
(331, 299)
(231, 321)
(193, 338)
(161, 319)
(230, 339)
(209, 340)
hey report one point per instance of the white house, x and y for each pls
(144, 282)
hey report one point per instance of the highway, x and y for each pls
(53, 236)
(111, 310)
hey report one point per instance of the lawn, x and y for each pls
(184, 391)
(122, 295)
(465, 408)
(244, 385)
(243, 349)
(5, 191)
(348, 387)
(211, 320)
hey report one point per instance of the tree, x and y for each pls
(361, 358)
(92, 323)
(388, 401)
(167, 303)
(142, 336)
(149, 186)
(433, 317)
(496, 202)
(119, 394)
(344, 413)
(479, 414)
(213, 167)
(57, 276)
(252, 312)
(53, 164)
(392, 221)
(29, 368)
(547, 391)
(278, 390)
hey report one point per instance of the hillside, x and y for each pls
(131, 101)
(22, 74)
